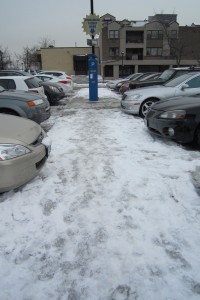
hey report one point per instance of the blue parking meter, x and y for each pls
(93, 77)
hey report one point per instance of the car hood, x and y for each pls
(152, 90)
(20, 95)
(177, 103)
(15, 129)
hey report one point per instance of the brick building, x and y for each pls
(125, 47)
(149, 45)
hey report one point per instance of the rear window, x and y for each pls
(8, 84)
(32, 82)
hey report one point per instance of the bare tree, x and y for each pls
(45, 42)
(5, 60)
(176, 44)
(28, 58)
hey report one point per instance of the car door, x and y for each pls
(190, 87)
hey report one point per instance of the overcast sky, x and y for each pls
(25, 22)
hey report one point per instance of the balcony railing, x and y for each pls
(138, 41)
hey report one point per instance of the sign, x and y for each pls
(92, 24)
(91, 42)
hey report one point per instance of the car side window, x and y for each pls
(40, 77)
(194, 83)
(8, 84)
(45, 78)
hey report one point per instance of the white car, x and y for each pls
(23, 83)
(112, 83)
(60, 74)
(67, 87)
(137, 102)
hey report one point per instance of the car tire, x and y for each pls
(197, 137)
(145, 106)
(49, 98)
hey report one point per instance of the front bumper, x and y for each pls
(18, 171)
(178, 130)
(130, 107)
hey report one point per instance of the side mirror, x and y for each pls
(184, 86)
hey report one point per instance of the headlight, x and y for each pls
(9, 151)
(35, 102)
(133, 97)
(174, 114)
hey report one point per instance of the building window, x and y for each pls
(113, 52)
(154, 51)
(173, 34)
(113, 34)
(154, 34)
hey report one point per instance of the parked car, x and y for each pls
(145, 77)
(138, 101)
(112, 83)
(24, 104)
(67, 88)
(63, 77)
(53, 91)
(24, 148)
(166, 76)
(177, 119)
(23, 83)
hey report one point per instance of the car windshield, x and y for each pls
(176, 81)
(166, 74)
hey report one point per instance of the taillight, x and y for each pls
(68, 77)
(34, 91)
(63, 81)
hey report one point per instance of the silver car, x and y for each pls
(24, 148)
(24, 104)
(138, 101)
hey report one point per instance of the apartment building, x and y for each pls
(149, 45)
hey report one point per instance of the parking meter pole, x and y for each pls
(93, 77)
(92, 12)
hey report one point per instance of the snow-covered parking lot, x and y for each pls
(114, 214)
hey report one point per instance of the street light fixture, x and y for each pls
(122, 54)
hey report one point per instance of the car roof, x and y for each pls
(16, 77)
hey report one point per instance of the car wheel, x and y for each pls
(145, 106)
(197, 137)
(9, 112)
(49, 98)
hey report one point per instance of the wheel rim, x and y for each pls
(146, 106)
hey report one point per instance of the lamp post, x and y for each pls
(122, 54)
(92, 12)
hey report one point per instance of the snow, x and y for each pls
(113, 215)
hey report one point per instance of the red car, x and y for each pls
(146, 76)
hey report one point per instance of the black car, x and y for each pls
(53, 91)
(166, 76)
(176, 118)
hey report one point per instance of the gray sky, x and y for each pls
(25, 22)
